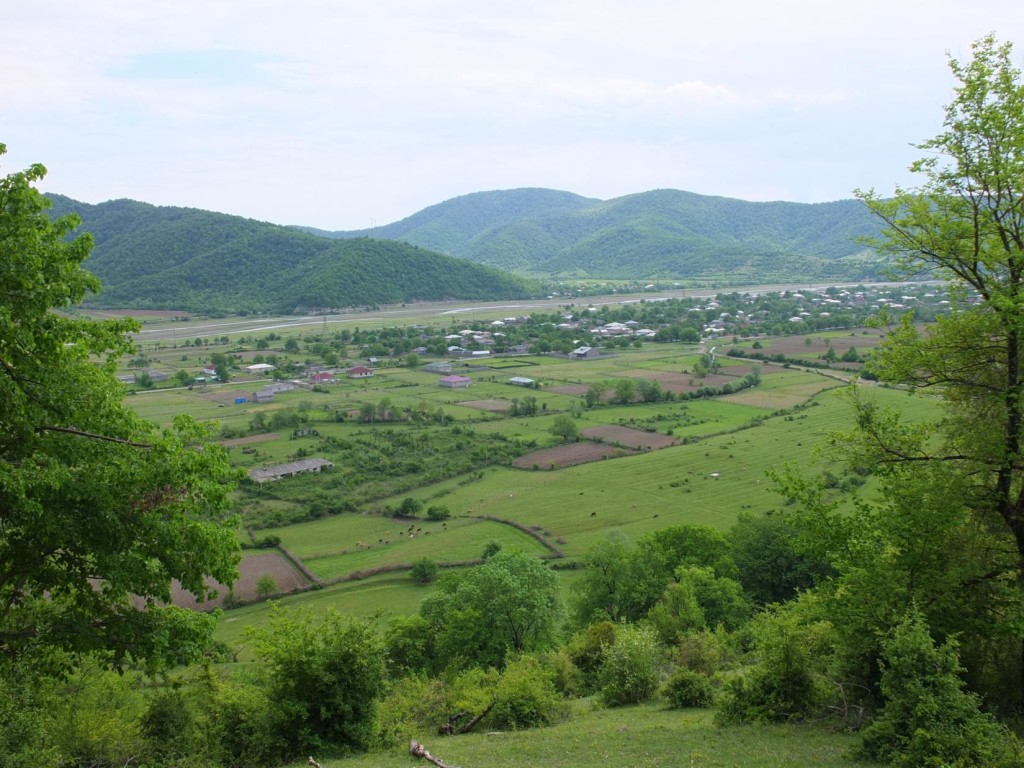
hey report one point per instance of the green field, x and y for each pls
(646, 736)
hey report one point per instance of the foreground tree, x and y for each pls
(966, 223)
(99, 510)
(508, 604)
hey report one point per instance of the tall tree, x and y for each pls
(99, 510)
(965, 222)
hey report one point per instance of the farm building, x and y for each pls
(359, 372)
(582, 353)
(521, 381)
(439, 366)
(263, 396)
(455, 381)
(259, 368)
(292, 468)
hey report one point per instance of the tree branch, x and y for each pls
(91, 435)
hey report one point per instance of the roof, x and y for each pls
(454, 379)
(259, 367)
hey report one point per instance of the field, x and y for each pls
(646, 736)
(487, 456)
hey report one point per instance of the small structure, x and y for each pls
(359, 372)
(521, 381)
(263, 396)
(582, 353)
(267, 474)
(438, 366)
(455, 381)
(322, 377)
(260, 368)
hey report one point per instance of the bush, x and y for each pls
(631, 668)
(788, 683)
(424, 571)
(526, 697)
(438, 512)
(686, 688)
(928, 719)
(323, 678)
(415, 705)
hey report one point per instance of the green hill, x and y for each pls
(182, 258)
(659, 234)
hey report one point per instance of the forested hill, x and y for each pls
(660, 234)
(183, 258)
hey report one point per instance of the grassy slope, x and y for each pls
(640, 737)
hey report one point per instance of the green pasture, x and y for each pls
(642, 736)
(342, 544)
(394, 594)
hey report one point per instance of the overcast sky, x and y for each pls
(345, 115)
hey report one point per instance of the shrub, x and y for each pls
(424, 571)
(787, 684)
(323, 678)
(414, 705)
(525, 696)
(928, 719)
(438, 512)
(686, 688)
(631, 668)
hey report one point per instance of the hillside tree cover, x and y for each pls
(99, 510)
(966, 223)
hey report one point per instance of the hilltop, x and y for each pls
(663, 233)
(183, 258)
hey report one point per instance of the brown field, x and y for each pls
(492, 406)
(250, 570)
(568, 455)
(795, 346)
(250, 439)
(628, 437)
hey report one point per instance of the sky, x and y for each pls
(347, 115)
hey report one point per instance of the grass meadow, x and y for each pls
(644, 736)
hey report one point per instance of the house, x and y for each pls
(359, 372)
(263, 396)
(322, 377)
(582, 353)
(455, 381)
(521, 381)
(264, 474)
(439, 366)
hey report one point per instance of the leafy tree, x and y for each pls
(593, 395)
(266, 585)
(410, 507)
(438, 512)
(928, 718)
(625, 391)
(631, 667)
(323, 678)
(412, 360)
(510, 603)
(565, 427)
(965, 222)
(423, 571)
(768, 564)
(97, 506)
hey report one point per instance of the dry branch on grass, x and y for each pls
(419, 750)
